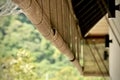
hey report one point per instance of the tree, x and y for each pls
(20, 67)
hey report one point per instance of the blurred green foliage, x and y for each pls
(26, 55)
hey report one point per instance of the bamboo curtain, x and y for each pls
(57, 23)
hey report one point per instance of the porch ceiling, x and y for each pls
(99, 29)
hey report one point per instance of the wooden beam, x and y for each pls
(95, 74)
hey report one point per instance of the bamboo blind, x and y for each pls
(57, 23)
